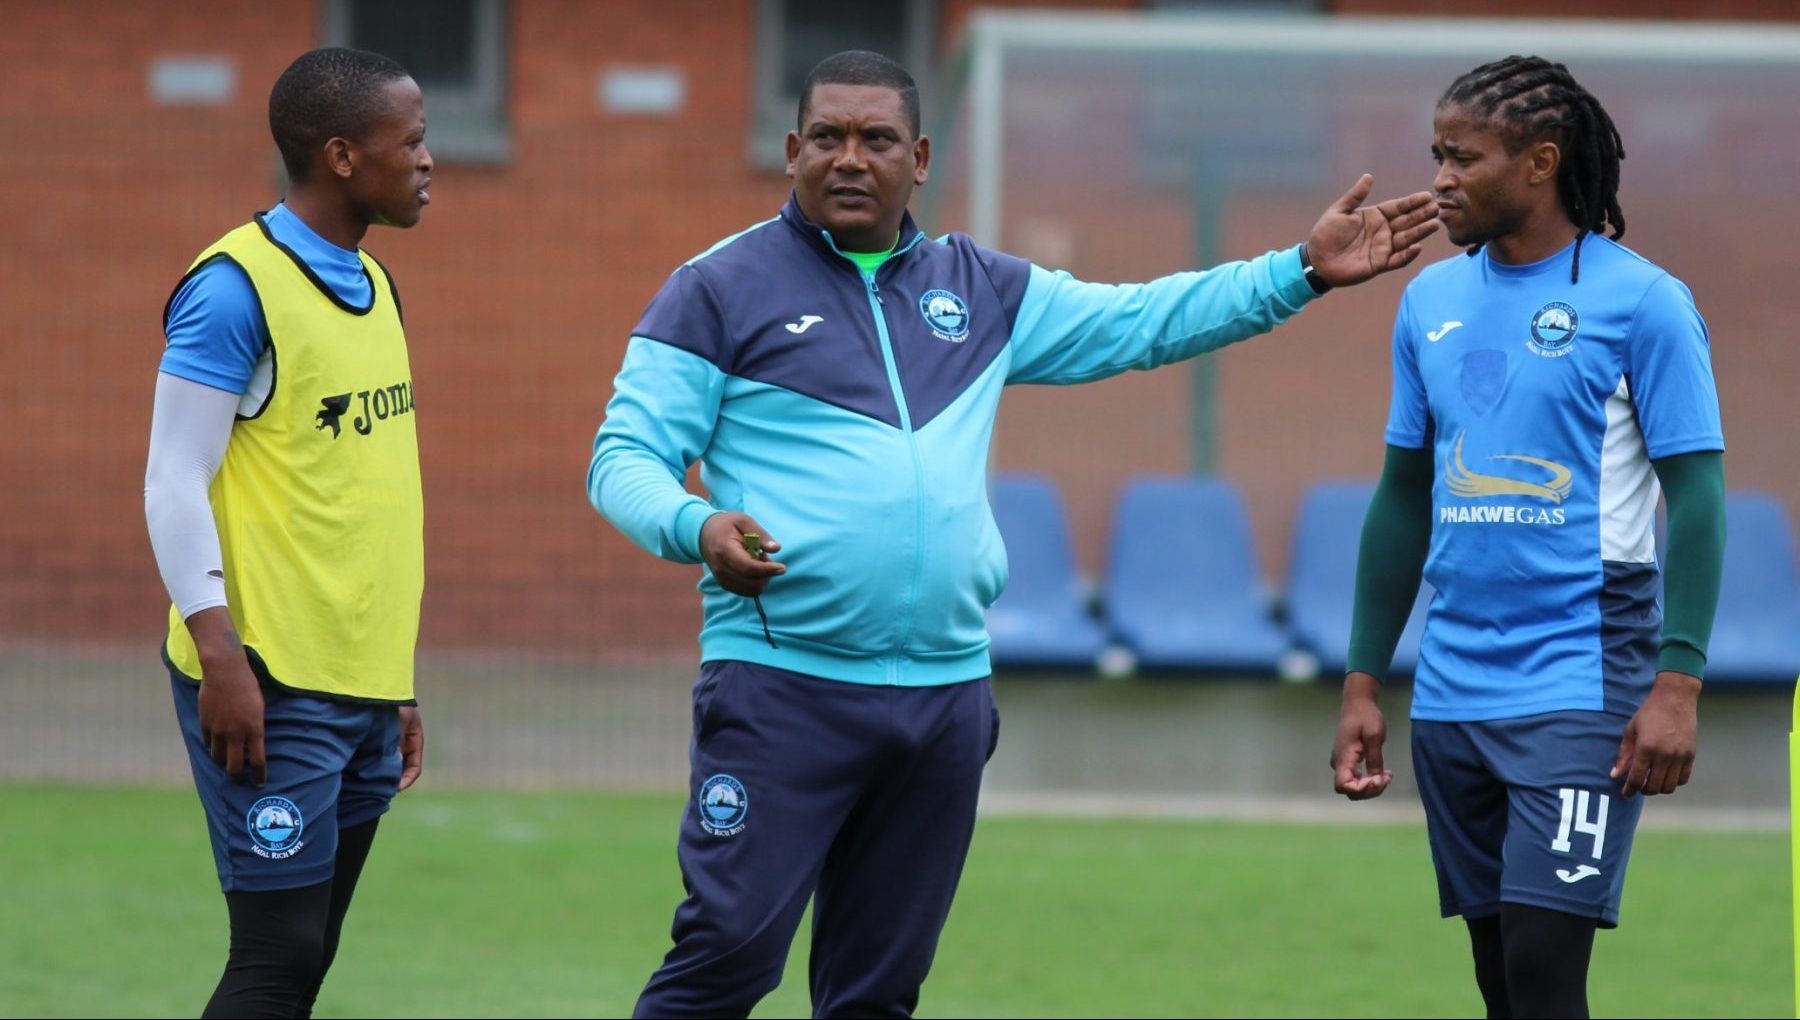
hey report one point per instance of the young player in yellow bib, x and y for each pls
(284, 505)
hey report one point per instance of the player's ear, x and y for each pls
(922, 157)
(1546, 160)
(338, 159)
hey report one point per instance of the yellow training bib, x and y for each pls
(318, 500)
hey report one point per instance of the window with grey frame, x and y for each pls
(455, 50)
(792, 36)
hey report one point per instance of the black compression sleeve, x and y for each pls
(277, 940)
(1547, 954)
(353, 851)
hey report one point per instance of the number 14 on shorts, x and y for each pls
(1575, 805)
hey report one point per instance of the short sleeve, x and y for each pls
(215, 328)
(1670, 373)
(1409, 413)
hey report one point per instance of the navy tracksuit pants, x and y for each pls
(862, 796)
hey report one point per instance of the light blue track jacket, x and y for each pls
(851, 417)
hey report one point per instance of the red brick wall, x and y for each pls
(104, 198)
(520, 287)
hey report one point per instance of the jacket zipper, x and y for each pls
(877, 306)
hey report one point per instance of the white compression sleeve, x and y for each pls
(189, 428)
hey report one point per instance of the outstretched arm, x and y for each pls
(1071, 331)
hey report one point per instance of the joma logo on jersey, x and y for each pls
(377, 405)
(1473, 485)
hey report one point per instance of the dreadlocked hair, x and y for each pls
(1530, 99)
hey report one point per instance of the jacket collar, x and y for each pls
(820, 238)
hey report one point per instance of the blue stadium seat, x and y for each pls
(1183, 590)
(1756, 635)
(1041, 619)
(1321, 591)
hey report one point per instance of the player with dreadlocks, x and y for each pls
(1535, 410)
(1530, 99)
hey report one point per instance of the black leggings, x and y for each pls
(1532, 962)
(283, 941)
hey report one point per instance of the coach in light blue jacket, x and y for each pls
(836, 374)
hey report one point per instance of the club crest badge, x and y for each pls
(723, 805)
(275, 826)
(1553, 329)
(947, 315)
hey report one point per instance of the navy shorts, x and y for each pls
(332, 765)
(1522, 811)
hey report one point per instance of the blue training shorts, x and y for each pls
(332, 765)
(1523, 811)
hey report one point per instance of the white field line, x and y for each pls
(1667, 815)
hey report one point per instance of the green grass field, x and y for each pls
(538, 904)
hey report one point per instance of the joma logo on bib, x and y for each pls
(373, 405)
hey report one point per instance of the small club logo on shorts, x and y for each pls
(275, 826)
(723, 805)
(948, 316)
(1553, 329)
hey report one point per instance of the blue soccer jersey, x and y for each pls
(1543, 402)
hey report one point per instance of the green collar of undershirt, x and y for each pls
(869, 261)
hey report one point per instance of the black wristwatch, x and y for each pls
(1311, 272)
